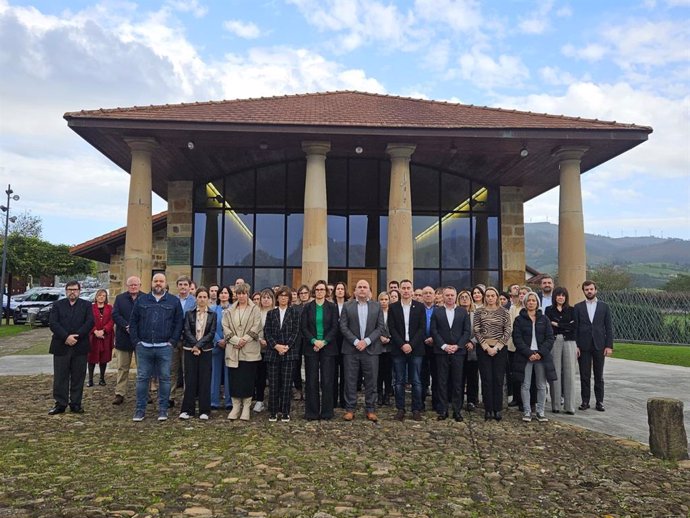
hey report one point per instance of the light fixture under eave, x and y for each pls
(190, 145)
(524, 152)
(263, 145)
(359, 150)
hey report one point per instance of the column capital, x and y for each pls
(141, 143)
(400, 150)
(569, 152)
(316, 147)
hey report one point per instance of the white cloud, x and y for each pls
(459, 15)
(247, 30)
(538, 22)
(188, 6)
(485, 71)
(591, 52)
(556, 76)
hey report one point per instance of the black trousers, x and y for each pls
(471, 380)
(319, 394)
(429, 377)
(260, 386)
(297, 374)
(197, 382)
(385, 376)
(587, 360)
(447, 366)
(280, 385)
(69, 372)
(493, 371)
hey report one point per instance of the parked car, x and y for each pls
(39, 304)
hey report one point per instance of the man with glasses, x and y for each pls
(71, 321)
(124, 347)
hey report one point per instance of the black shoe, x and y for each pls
(214, 407)
(600, 407)
(513, 403)
(458, 418)
(442, 417)
(498, 416)
(556, 411)
(118, 399)
(471, 407)
(584, 406)
(386, 401)
(569, 413)
(149, 401)
(89, 383)
(399, 415)
(101, 382)
(76, 409)
(379, 400)
(171, 403)
(57, 409)
(488, 416)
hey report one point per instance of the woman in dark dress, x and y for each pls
(101, 337)
(319, 325)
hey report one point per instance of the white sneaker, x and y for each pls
(527, 418)
(184, 415)
(203, 417)
(259, 406)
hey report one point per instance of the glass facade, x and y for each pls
(249, 224)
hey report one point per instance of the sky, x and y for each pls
(626, 60)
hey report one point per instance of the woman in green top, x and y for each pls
(319, 324)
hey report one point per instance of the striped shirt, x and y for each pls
(492, 325)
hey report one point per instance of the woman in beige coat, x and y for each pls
(241, 327)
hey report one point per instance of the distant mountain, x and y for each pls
(666, 255)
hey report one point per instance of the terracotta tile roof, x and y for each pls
(111, 237)
(349, 108)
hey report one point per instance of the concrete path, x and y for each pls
(628, 386)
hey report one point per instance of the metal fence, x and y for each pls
(650, 316)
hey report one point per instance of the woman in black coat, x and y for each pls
(199, 332)
(533, 339)
(319, 326)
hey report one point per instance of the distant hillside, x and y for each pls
(650, 260)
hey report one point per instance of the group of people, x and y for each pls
(225, 345)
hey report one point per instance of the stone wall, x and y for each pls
(159, 256)
(512, 235)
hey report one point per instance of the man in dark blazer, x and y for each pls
(361, 324)
(124, 348)
(406, 323)
(71, 321)
(450, 327)
(594, 338)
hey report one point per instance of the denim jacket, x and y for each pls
(156, 321)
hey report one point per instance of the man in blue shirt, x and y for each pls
(155, 327)
(187, 303)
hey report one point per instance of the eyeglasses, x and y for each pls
(319, 289)
(72, 289)
(304, 293)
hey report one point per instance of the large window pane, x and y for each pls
(363, 176)
(424, 187)
(297, 172)
(455, 248)
(239, 190)
(207, 238)
(426, 278)
(364, 241)
(268, 277)
(230, 275)
(383, 238)
(238, 239)
(455, 192)
(460, 279)
(425, 241)
(485, 277)
(295, 233)
(485, 242)
(270, 187)
(206, 276)
(384, 183)
(209, 195)
(337, 241)
(484, 199)
(336, 183)
(270, 240)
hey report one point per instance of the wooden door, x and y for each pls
(371, 276)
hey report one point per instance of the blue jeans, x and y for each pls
(153, 362)
(404, 366)
(218, 368)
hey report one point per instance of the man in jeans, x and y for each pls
(124, 347)
(155, 327)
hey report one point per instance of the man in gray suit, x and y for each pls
(361, 324)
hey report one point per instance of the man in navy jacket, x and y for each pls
(71, 321)
(124, 347)
(155, 327)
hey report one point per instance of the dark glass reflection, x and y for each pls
(337, 241)
(295, 232)
(363, 179)
(270, 187)
(426, 278)
(209, 195)
(425, 241)
(383, 236)
(295, 186)
(206, 276)
(230, 275)
(239, 190)
(270, 240)
(485, 241)
(455, 247)
(336, 183)
(424, 184)
(460, 279)
(267, 278)
(238, 239)
(207, 238)
(364, 241)
(455, 192)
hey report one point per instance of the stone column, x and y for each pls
(180, 216)
(512, 236)
(139, 234)
(315, 233)
(572, 261)
(400, 264)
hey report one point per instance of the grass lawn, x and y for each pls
(11, 330)
(40, 348)
(665, 354)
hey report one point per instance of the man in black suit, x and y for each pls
(451, 329)
(71, 321)
(594, 338)
(406, 323)
(361, 324)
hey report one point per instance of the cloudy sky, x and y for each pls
(623, 60)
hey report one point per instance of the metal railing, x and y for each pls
(650, 316)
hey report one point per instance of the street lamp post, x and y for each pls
(6, 210)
